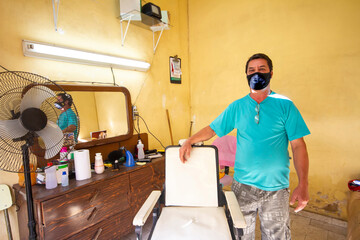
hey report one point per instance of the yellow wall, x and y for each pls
(94, 25)
(315, 48)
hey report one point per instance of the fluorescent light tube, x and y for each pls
(52, 52)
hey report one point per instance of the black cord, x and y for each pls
(5, 68)
(105, 83)
(113, 76)
(138, 127)
(136, 130)
(57, 81)
(138, 124)
(150, 131)
(143, 84)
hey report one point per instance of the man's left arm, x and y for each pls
(70, 128)
(301, 163)
(71, 121)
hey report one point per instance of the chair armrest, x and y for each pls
(234, 208)
(146, 208)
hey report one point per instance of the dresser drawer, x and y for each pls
(75, 211)
(112, 228)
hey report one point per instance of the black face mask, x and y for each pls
(59, 105)
(258, 81)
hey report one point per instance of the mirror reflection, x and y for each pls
(102, 114)
(105, 113)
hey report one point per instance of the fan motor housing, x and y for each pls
(33, 119)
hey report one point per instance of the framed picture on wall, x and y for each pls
(175, 69)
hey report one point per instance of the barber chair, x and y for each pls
(226, 146)
(193, 203)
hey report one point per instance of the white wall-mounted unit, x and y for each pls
(130, 12)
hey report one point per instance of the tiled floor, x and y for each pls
(304, 226)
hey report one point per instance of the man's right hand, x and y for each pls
(185, 151)
(204, 134)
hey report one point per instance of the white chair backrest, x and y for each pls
(194, 183)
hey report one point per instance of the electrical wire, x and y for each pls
(138, 132)
(5, 68)
(57, 81)
(138, 124)
(142, 85)
(104, 83)
(112, 71)
(138, 127)
(150, 131)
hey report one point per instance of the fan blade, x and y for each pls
(53, 138)
(10, 129)
(35, 96)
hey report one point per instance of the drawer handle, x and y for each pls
(97, 234)
(92, 214)
(94, 196)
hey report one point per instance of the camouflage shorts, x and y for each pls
(272, 207)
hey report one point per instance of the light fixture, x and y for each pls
(52, 52)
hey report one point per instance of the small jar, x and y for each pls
(99, 164)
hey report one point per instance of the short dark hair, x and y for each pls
(260, 56)
(66, 97)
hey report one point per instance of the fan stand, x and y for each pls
(29, 198)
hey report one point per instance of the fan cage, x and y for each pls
(13, 86)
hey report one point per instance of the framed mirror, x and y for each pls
(105, 114)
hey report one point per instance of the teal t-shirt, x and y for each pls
(66, 119)
(262, 158)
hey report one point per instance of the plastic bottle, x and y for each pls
(64, 179)
(63, 153)
(99, 164)
(50, 177)
(140, 148)
(71, 164)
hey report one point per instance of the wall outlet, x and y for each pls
(135, 112)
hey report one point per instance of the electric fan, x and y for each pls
(28, 121)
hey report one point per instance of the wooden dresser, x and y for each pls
(102, 207)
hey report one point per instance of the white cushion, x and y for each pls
(194, 183)
(191, 223)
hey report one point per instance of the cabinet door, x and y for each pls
(82, 208)
(158, 175)
(141, 186)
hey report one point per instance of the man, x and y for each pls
(67, 120)
(265, 123)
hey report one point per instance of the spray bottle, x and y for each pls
(140, 148)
